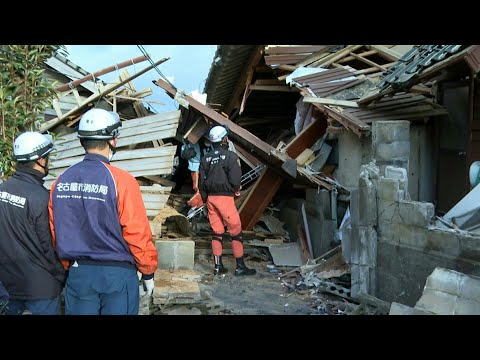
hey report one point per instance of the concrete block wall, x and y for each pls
(410, 247)
(359, 245)
(393, 245)
(391, 144)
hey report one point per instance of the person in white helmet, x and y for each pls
(219, 183)
(100, 226)
(30, 271)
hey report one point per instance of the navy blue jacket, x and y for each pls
(29, 267)
(97, 215)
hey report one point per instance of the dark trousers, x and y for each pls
(101, 290)
(36, 307)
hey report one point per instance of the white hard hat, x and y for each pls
(31, 146)
(217, 134)
(99, 124)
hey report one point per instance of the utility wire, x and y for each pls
(144, 52)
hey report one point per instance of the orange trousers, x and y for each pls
(222, 211)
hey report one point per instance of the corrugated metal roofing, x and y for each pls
(291, 54)
(329, 81)
(227, 67)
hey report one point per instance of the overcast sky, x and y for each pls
(187, 68)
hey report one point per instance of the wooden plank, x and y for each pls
(373, 69)
(294, 49)
(108, 89)
(139, 127)
(155, 189)
(346, 85)
(387, 53)
(315, 57)
(284, 88)
(247, 157)
(119, 156)
(368, 61)
(162, 118)
(136, 169)
(155, 198)
(302, 240)
(160, 180)
(142, 100)
(307, 137)
(284, 59)
(267, 185)
(77, 96)
(56, 107)
(307, 230)
(351, 57)
(196, 131)
(259, 197)
(165, 132)
(318, 100)
(257, 144)
(335, 129)
(268, 82)
(304, 156)
(328, 254)
(355, 126)
(338, 55)
(286, 67)
(96, 74)
(160, 163)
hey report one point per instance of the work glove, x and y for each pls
(148, 286)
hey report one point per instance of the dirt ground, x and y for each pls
(260, 294)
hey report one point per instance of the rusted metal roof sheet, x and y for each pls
(328, 82)
(229, 62)
(291, 55)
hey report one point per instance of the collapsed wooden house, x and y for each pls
(141, 147)
(359, 130)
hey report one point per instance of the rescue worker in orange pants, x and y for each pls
(220, 180)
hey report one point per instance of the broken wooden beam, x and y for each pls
(260, 147)
(259, 198)
(307, 137)
(108, 89)
(327, 101)
(72, 84)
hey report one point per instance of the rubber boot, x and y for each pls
(242, 269)
(219, 268)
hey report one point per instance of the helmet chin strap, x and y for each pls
(112, 149)
(45, 168)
